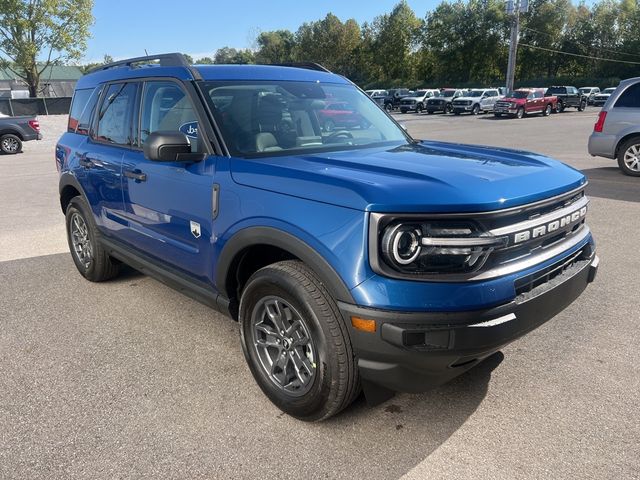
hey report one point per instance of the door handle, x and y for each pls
(136, 175)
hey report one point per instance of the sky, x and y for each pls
(199, 27)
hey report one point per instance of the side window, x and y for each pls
(80, 99)
(630, 98)
(114, 116)
(166, 107)
(537, 94)
(84, 123)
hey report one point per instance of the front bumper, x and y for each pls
(462, 108)
(416, 351)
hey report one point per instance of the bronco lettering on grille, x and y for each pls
(550, 227)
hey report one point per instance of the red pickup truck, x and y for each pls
(525, 101)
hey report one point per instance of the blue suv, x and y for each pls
(354, 258)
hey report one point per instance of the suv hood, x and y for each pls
(473, 99)
(422, 177)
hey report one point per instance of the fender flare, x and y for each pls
(69, 180)
(250, 236)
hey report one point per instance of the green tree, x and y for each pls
(56, 30)
(89, 66)
(275, 47)
(228, 55)
(329, 42)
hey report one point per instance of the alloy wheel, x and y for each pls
(81, 241)
(283, 345)
(10, 144)
(632, 158)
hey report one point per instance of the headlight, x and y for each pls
(433, 247)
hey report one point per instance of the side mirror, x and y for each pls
(168, 147)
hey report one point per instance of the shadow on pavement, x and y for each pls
(610, 182)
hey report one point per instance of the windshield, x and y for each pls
(447, 93)
(474, 93)
(609, 90)
(585, 90)
(520, 94)
(420, 93)
(260, 118)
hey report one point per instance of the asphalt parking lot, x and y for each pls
(130, 379)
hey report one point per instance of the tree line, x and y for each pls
(462, 43)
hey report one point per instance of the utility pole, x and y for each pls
(514, 8)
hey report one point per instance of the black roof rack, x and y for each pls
(307, 65)
(164, 60)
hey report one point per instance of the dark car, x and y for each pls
(15, 130)
(568, 97)
(353, 260)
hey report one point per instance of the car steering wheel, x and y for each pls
(340, 133)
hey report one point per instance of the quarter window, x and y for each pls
(630, 98)
(166, 107)
(114, 117)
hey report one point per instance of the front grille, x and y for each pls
(462, 102)
(503, 104)
(526, 286)
(407, 102)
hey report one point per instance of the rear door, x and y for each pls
(168, 205)
(100, 157)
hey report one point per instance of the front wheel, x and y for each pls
(559, 107)
(475, 110)
(296, 343)
(582, 106)
(629, 157)
(10, 144)
(520, 113)
(388, 107)
(497, 115)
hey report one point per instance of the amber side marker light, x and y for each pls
(363, 324)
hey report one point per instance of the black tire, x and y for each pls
(475, 110)
(498, 115)
(547, 110)
(582, 106)
(559, 107)
(334, 383)
(456, 113)
(10, 144)
(632, 169)
(430, 112)
(520, 112)
(388, 107)
(100, 266)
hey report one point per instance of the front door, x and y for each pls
(168, 205)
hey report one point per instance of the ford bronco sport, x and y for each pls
(356, 258)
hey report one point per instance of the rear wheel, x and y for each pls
(90, 258)
(430, 112)
(10, 143)
(559, 107)
(296, 342)
(629, 157)
(582, 106)
(547, 111)
(388, 107)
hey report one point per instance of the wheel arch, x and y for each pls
(12, 131)
(621, 142)
(69, 187)
(255, 247)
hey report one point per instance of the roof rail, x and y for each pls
(306, 65)
(164, 60)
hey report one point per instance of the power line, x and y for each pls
(578, 55)
(582, 44)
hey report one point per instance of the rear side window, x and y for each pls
(78, 106)
(114, 117)
(630, 98)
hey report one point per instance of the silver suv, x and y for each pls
(616, 134)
